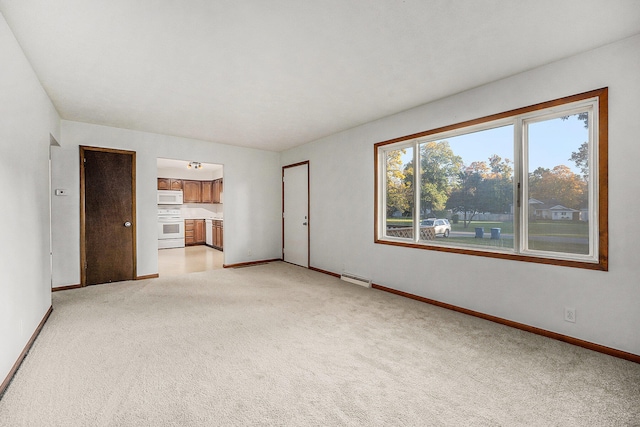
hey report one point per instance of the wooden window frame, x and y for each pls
(601, 182)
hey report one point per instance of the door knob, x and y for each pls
(127, 224)
(304, 223)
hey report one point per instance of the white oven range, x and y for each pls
(170, 228)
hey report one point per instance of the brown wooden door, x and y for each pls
(108, 229)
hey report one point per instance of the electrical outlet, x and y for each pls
(570, 314)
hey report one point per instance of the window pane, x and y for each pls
(558, 167)
(467, 180)
(399, 193)
(468, 175)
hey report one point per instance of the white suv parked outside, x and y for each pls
(442, 226)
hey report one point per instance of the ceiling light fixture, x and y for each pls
(194, 165)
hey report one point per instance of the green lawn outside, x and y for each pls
(505, 227)
(536, 228)
(507, 243)
(552, 229)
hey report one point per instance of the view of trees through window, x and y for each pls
(558, 206)
(469, 180)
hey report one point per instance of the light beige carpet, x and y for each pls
(280, 345)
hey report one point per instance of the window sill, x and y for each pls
(602, 265)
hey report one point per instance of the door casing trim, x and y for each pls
(306, 162)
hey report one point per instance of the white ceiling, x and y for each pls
(183, 165)
(279, 73)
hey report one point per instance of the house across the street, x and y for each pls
(555, 211)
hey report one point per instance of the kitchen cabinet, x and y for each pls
(207, 191)
(169, 184)
(217, 233)
(189, 232)
(192, 191)
(194, 233)
(199, 232)
(216, 190)
(164, 184)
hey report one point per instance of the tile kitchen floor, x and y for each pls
(191, 259)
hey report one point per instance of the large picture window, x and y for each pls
(528, 184)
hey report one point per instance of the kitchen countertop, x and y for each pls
(205, 218)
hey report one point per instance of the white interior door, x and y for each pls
(296, 214)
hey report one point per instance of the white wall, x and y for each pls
(342, 174)
(65, 214)
(27, 117)
(251, 204)
(195, 174)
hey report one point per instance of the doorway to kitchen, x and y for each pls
(190, 216)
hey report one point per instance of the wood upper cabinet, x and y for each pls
(216, 190)
(207, 192)
(169, 184)
(192, 191)
(164, 183)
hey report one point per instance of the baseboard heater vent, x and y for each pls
(357, 280)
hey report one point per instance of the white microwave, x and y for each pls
(169, 197)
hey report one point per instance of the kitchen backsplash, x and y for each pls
(200, 211)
